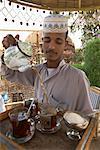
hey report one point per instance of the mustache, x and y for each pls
(50, 51)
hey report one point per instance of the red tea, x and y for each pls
(20, 124)
(48, 122)
(48, 117)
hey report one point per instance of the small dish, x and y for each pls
(53, 130)
(76, 120)
(22, 139)
(76, 123)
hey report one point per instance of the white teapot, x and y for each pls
(18, 57)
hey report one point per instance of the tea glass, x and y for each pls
(20, 122)
(48, 118)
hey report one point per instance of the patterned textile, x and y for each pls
(95, 99)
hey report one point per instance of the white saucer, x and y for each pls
(53, 130)
(22, 139)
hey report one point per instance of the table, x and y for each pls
(56, 141)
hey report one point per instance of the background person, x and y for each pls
(69, 50)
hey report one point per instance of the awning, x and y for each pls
(61, 5)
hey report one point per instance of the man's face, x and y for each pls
(53, 45)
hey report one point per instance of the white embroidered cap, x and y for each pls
(55, 23)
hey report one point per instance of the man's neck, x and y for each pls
(53, 64)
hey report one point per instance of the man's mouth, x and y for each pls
(51, 52)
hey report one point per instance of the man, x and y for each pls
(65, 86)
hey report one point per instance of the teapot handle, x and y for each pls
(22, 51)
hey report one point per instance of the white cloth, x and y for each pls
(51, 70)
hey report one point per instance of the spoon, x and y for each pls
(30, 107)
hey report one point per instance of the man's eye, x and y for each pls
(46, 40)
(59, 41)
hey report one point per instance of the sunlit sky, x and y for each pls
(19, 15)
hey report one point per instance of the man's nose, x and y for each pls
(52, 45)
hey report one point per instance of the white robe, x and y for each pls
(66, 87)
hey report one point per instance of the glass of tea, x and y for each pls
(20, 122)
(48, 117)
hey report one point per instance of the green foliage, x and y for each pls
(79, 66)
(79, 56)
(92, 61)
(88, 22)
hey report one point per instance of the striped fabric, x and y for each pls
(95, 99)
